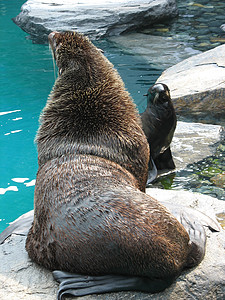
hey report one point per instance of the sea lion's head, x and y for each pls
(158, 94)
(73, 52)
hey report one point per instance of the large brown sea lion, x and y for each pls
(91, 215)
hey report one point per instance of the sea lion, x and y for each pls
(91, 215)
(159, 123)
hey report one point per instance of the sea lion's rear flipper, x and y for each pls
(194, 222)
(165, 161)
(152, 171)
(193, 214)
(197, 239)
(20, 226)
(81, 285)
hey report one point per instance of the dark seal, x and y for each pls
(91, 215)
(159, 123)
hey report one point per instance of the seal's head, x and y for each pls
(71, 50)
(158, 94)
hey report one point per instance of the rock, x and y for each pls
(197, 86)
(193, 142)
(22, 279)
(199, 160)
(221, 218)
(219, 180)
(95, 19)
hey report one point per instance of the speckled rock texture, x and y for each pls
(93, 18)
(193, 141)
(197, 85)
(22, 279)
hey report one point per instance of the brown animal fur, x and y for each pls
(90, 213)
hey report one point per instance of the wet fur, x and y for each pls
(91, 215)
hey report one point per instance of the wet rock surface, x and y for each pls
(22, 279)
(95, 19)
(199, 155)
(193, 142)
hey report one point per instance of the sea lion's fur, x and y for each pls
(90, 112)
(91, 215)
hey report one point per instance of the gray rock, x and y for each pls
(22, 279)
(96, 19)
(197, 85)
(192, 142)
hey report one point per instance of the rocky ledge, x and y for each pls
(194, 141)
(197, 86)
(93, 18)
(22, 279)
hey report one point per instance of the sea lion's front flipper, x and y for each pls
(165, 161)
(152, 171)
(81, 285)
(20, 226)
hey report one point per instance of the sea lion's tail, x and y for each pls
(81, 285)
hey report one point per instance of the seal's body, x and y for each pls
(93, 220)
(91, 215)
(159, 123)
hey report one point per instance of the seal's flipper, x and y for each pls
(197, 239)
(20, 226)
(165, 161)
(194, 214)
(205, 220)
(194, 222)
(152, 171)
(81, 285)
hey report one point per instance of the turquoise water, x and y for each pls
(26, 79)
